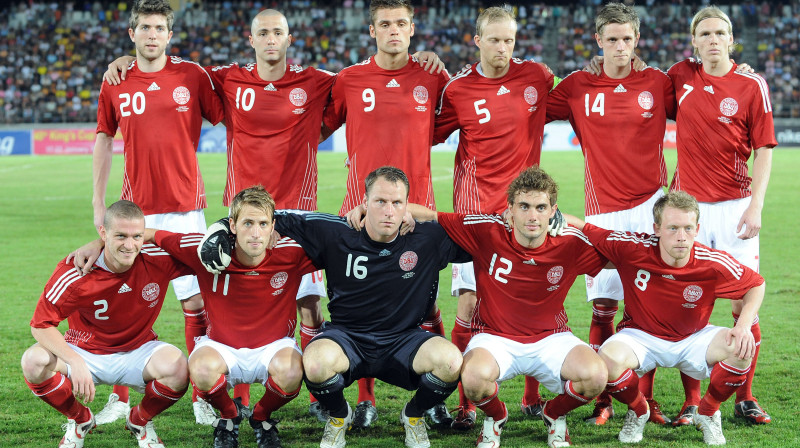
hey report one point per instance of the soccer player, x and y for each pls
(619, 117)
(392, 96)
(159, 111)
(382, 285)
(671, 283)
(519, 325)
(723, 118)
(104, 344)
(498, 105)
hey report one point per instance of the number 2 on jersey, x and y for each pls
(501, 270)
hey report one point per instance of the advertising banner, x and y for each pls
(15, 143)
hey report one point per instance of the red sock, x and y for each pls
(565, 402)
(531, 394)
(691, 389)
(218, 397)
(646, 384)
(433, 323)
(460, 336)
(746, 391)
(366, 390)
(157, 397)
(725, 379)
(602, 326)
(57, 392)
(123, 392)
(492, 406)
(306, 335)
(273, 399)
(195, 324)
(626, 390)
(242, 391)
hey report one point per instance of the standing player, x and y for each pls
(619, 118)
(382, 285)
(160, 111)
(103, 344)
(519, 324)
(671, 283)
(498, 105)
(387, 95)
(723, 117)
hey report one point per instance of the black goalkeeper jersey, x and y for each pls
(377, 288)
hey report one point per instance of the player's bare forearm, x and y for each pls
(422, 213)
(751, 303)
(101, 169)
(324, 133)
(750, 222)
(574, 221)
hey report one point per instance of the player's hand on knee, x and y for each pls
(743, 340)
(83, 258)
(556, 224)
(216, 247)
(82, 383)
(356, 216)
(408, 224)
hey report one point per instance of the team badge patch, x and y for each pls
(150, 292)
(531, 95)
(646, 100)
(298, 97)
(554, 274)
(728, 107)
(181, 95)
(421, 94)
(408, 260)
(455, 272)
(692, 293)
(589, 281)
(278, 280)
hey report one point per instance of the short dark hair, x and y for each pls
(533, 179)
(387, 173)
(375, 5)
(151, 7)
(675, 199)
(122, 209)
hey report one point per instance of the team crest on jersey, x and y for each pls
(691, 294)
(298, 97)
(408, 260)
(278, 280)
(181, 95)
(150, 293)
(646, 100)
(421, 97)
(728, 107)
(554, 274)
(531, 95)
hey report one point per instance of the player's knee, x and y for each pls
(287, 371)
(194, 302)
(172, 368)
(614, 360)
(205, 368)
(448, 362)
(36, 362)
(593, 378)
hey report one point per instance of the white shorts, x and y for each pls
(463, 278)
(124, 368)
(718, 221)
(247, 365)
(542, 359)
(606, 284)
(688, 355)
(187, 222)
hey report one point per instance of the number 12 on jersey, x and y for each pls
(501, 270)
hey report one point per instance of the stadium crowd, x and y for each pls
(54, 53)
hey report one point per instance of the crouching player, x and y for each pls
(110, 339)
(519, 325)
(670, 284)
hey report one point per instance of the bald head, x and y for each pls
(255, 25)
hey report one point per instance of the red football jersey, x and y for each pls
(109, 312)
(721, 119)
(620, 125)
(390, 116)
(246, 306)
(666, 302)
(273, 131)
(501, 122)
(160, 115)
(521, 291)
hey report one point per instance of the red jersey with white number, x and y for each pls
(389, 115)
(160, 115)
(501, 122)
(620, 125)
(246, 306)
(273, 131)
(109, 312)
(721, 119)
(667, 302)
(521, 291)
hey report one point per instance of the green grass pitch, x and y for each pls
(45, 212)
